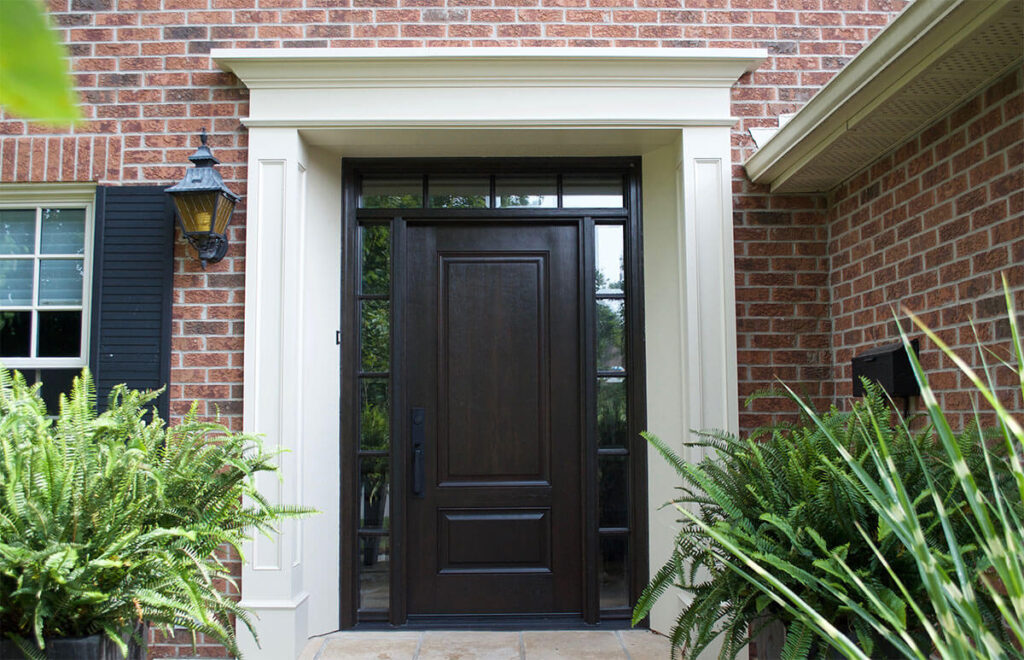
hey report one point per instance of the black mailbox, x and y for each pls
(888, 366)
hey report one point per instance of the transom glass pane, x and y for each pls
(459, 192)
(601, 193)
(16, 276)
(391, 193)
(537, 192)
(63, 231)
(609, 275)
(17, 231)
(611, 335)
(376, 252)
(60, 281)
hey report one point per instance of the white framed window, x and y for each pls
(46, 247)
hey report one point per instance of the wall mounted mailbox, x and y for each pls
(889, 366)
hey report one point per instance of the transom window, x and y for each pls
(494, 191)
(44, 285)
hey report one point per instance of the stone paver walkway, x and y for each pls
(478, 645)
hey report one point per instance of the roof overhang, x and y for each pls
(934, 56)
(489, 87)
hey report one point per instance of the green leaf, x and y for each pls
(34, 79)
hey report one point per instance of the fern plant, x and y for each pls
(784, 497)
(109, 521)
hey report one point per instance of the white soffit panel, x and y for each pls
(934, 56)
(492, 87)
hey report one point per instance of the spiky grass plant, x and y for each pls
(955, 523)
(108, 521)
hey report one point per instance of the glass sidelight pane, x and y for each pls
(613, 483)
(16, 277)
(459, 192)
(374, 335)
(63, 231)
(609, 276)
(15, 334)
(374, 482)
(17, 231)
(375, 242)
(611, 335)
(614, 592)
(537, 192)
(374, 415)
(392, 193)
(612, 428)
(374, 568)
(60, 334)
(599, 193)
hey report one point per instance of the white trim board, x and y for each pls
(311, 108)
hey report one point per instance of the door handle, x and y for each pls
(418, 419)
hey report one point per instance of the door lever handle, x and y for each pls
(418, 419)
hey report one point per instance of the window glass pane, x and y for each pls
(15, 334)
(376, 253)
(612, 430)
(600, 193)
(608, 275)
(611, 328)
(392, 193)
(373, 492)
(60, 334)
(613, 483)
(375, 561)
(63, 231)
(612, 571)
(16, 281)
(459, 192)
(374, 415)
(17, 231)
(60, 281)
(539, 192)
(374, 338)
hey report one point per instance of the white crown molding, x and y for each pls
(459, 87)
(873, 85)
(51, 193)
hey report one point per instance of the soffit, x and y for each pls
(494, 87)
(934, 56)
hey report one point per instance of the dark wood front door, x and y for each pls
(493, 387)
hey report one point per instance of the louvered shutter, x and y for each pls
(133, 266)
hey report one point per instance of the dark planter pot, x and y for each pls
(93, 647)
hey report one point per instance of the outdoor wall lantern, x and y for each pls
(204, 206)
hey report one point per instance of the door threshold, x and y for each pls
(498, 622)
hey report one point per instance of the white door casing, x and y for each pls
(310, 108)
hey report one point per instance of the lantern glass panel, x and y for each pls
(225, 207)
(196, 210)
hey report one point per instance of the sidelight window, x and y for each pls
(374, 452)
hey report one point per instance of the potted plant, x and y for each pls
(111, 522)
(784, 497)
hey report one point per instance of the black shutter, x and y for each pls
(133, 269)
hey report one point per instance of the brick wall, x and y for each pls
(148, 86)
(931, 227)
